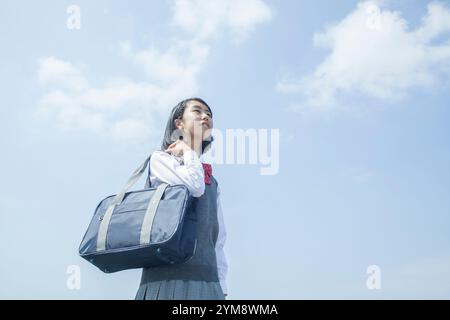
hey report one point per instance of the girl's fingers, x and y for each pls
(171, 146)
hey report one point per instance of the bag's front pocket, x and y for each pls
(125, 229)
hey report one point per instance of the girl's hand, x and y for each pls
(178, 148)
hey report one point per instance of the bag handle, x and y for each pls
(103, 229)
(131, 181)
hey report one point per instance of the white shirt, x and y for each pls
(188, 170)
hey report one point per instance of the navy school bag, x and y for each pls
(144, 228)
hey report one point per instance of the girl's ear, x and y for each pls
(178, 124)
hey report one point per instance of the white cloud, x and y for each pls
(208, 19)
(64, 73)
(126, 109)
(180, 64)
(373, 53)
(74, 104)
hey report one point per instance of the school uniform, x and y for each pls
(203, 277)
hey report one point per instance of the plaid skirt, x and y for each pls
(180, 290)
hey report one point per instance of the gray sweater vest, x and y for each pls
(203, 264)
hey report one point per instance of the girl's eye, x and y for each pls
(209, 115)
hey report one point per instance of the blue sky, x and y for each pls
(359, 92)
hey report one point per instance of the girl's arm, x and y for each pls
(222, 265)
(167, 169)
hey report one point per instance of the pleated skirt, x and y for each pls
(180, 290)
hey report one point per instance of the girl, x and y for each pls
(186, 138)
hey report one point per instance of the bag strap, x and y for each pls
(147, 223)
(153, 205)
(147, 181)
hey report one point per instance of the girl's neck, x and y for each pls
(196, 146)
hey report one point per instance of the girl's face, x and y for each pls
(197, 120)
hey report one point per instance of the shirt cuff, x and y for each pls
(224, 286)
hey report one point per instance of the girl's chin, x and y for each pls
(206, 133)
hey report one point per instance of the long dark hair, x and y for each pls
(170, 134)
